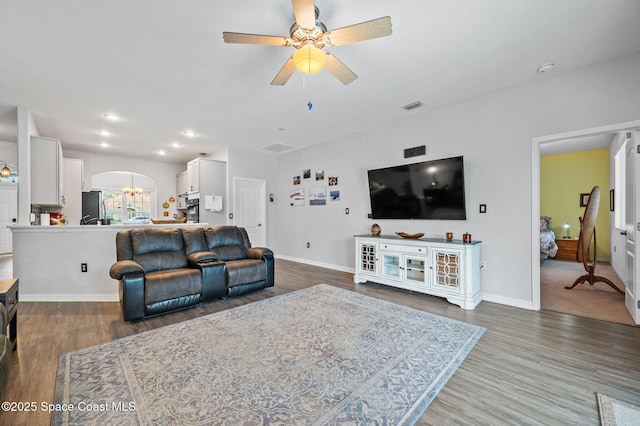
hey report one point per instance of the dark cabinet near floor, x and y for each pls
(9, 298)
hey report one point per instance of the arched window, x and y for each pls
(131, 207)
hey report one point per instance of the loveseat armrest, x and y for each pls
(132, 296)
(259, 253)
(267, 256)
(125, 267)
(199, 257)
(214, 279)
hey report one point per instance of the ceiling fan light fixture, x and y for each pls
(309, 59)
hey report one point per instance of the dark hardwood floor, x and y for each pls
(529, 368)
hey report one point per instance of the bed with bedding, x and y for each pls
(548, 246)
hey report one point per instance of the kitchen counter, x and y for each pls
(100, 228)
(48, 261)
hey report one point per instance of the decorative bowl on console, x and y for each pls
(410, 236)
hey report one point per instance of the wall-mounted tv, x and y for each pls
(428, 190)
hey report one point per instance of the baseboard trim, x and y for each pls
(494, 298)
(69, 297)
(516, 303)
(320, 264)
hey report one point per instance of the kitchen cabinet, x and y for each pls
(73, 187)
(182, 188)
(47, 172)
(193, 176)
(426, 265)
(205, 179)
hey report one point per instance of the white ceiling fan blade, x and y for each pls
(339, 70)
(254, 39)
(285, 73)
(380, 27)
(305, 12)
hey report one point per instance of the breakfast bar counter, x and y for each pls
(69, 263)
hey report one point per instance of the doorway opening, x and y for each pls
(581, 140)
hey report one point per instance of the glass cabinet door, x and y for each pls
(414, 269)
(390, 265)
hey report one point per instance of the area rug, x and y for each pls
(614, 412)
(321, 355)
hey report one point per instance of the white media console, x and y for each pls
(449, 269)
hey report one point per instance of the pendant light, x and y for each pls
(5, 172)
(132, 190)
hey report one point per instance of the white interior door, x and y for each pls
(249, 202)
(8, 216)
(632, 199)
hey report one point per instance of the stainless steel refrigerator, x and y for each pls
(92, 208)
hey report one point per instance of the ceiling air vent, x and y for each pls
(412, 105)
(277, 147)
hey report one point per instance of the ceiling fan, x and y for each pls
(309, 36)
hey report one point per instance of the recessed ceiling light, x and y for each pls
(111, 117)
(104, 133)
(176, 145)
(545, 67)
(162, 152)
(104, 145)
(189, 133)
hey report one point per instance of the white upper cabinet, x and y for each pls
(193, 176)
(182, 188)
(47, 172)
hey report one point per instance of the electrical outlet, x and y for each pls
(308, 245)
(83, 267)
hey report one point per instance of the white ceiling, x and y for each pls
(164, 68)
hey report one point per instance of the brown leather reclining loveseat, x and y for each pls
(166, 269)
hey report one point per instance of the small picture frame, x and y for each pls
(584, 200)
(296, 197)
(318, 196)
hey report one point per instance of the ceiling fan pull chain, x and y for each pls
(307, 85)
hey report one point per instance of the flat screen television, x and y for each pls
(428, 190)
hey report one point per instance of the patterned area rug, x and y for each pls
(617, 413)
(321, 355)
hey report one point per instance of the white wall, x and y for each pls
(255, 165)
(8, 152)
(163, 173)
(494, 133)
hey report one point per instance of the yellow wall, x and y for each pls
(563, 178)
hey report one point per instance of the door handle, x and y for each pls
(623, 232)
(259, 224)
